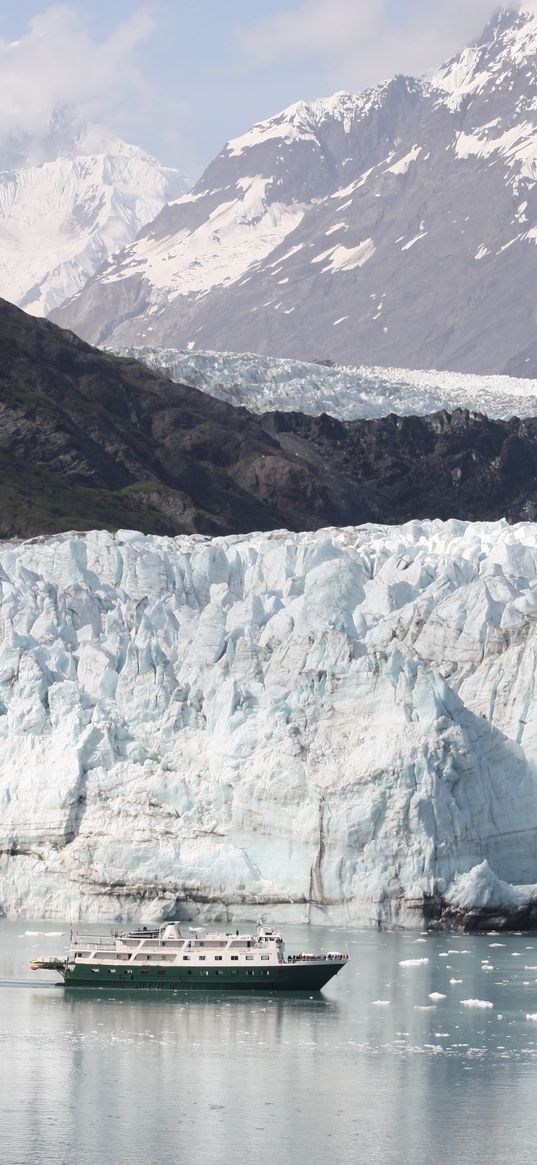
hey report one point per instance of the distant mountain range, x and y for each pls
(68, 204)
(91, 441)
(397, 227)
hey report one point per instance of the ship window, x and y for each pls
(265, 956)
(250, 958)
(218, 958)
(186, 958)
(266, 972)
(205, 972)
(249, 972)
(235, 958)
(95, 970)
(234, 972)
(219, 972)
(202, 958)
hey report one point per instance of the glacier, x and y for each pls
(266, 384)
(337, 726)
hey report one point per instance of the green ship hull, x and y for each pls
(283, 977)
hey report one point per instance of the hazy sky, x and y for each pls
(180, 77)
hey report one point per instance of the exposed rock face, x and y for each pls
(396, 227)
(339, 725)
(88, 440)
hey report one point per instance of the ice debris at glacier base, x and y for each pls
(339, 725)
(266, 383)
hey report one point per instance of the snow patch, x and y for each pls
(413, 241)
(404, 164)
(236, 235)
(347, 258)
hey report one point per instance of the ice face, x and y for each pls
(334, 725)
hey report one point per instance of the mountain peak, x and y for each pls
(298, 121)
(68, 201)
(304, 234)
(510, 27)
(503, 18)
(508, 42)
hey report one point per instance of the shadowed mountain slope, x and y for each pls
(90, 440)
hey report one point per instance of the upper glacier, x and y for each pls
(338, 725)
(266, 384)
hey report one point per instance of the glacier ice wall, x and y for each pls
(338, 725)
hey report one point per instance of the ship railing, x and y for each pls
(330, 957)
(104, 940)
(93, 940)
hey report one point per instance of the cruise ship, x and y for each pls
(165, 959)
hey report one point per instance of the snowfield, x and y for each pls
(265, 384)
(338, 725)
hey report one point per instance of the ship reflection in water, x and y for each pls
(424, 1048)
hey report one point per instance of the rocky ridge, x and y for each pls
(88, 440)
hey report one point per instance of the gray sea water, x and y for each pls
(388, 1066)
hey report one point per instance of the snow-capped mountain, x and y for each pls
(338, 726)
(268, 384)
(394, 228)
(65, 214)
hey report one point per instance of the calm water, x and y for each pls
(372, 1071)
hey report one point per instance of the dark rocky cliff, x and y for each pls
(89, 440)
